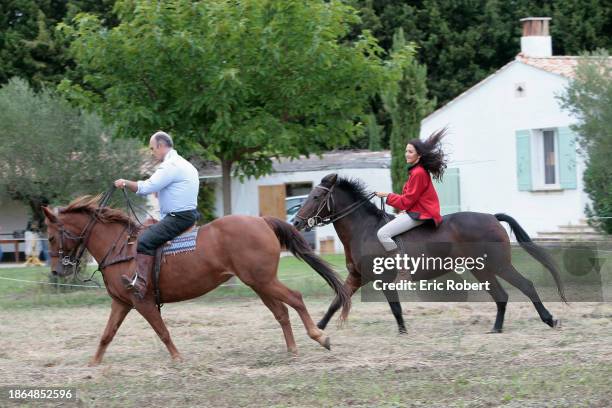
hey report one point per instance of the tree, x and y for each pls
(29, 46)
(238, 82)
(462, 42)
(374, 132)
(589, 98)
(407, 105)
(52, 152)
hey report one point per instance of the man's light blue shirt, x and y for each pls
(177, 183)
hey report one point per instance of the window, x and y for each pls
(297, 189)
(544, 147)
(296, 194)
(550, 159)
(546, 159)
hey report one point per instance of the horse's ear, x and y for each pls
(49, 215)
(329, 180)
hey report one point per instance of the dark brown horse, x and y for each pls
(465, 234)
(242, 246)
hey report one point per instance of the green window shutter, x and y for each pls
(448, 192)
(523, 159)
(567, 158)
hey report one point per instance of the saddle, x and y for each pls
(185, 242)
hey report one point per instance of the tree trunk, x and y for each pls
(38, 216)
(226, 173)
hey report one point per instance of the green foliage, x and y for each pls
(462, 42)
(206, 203)
(52, 152)
(407, 106)
(29, 45)
(589, 98)
(374, 132)
(239, 82)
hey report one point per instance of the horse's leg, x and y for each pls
(352, 283)
(281, 314)
(498, 294)
(294, 299)
(149, 311)
(393, 299)
(513, 277)
(118, 312)
(396, 309)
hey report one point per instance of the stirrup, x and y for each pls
(129, 284)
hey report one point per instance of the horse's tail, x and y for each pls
(534, 250)
(290, 238)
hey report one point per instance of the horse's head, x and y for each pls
(63, 244)
(318, 205)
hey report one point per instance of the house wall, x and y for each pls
(482, 144)
(245, 195)
(13, 216)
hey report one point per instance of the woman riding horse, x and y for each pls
(346, 204)
(419, 201)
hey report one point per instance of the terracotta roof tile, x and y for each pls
(560, 65)
(333, 160)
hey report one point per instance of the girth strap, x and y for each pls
(156, 270)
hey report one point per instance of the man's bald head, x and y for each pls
(160, 144)
(162, 138)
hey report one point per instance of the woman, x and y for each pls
(419, 201)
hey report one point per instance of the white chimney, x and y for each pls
(536, 41)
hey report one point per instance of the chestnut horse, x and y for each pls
(235, 245)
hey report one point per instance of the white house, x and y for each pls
(13, 217)
(509, 139)
(267, 195)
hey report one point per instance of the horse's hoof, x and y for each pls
(321, 326)
(327, 343)
(556, 324)
(93, 363)
(494, 331)
(402, 332)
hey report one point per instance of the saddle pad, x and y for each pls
(185, 242)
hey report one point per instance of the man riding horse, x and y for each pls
(176, 183)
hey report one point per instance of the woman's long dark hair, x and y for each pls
(432, 158)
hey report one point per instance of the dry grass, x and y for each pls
(235, 356)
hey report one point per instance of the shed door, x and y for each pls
(272, 201)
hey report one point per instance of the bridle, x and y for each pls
(73, 259)
(317, 221)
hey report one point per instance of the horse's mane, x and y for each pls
(357, 189)
(88, 204)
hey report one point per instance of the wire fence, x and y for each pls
(293, 278)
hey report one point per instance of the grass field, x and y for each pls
(19, 295)
(235, 355)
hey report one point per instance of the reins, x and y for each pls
(130, 208)
(317, 221)
(128, 228)
(74, 260)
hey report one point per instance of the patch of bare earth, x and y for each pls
(235, 356)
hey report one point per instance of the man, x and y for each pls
(176, 183)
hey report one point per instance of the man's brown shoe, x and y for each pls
(138, 283)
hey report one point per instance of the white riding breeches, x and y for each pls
(402, 223)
